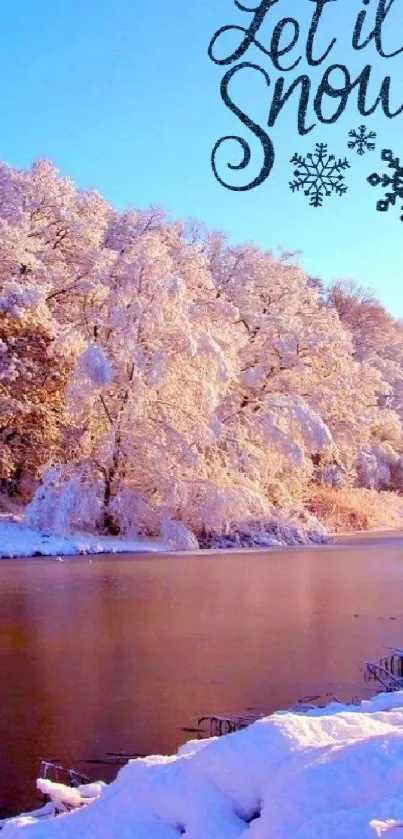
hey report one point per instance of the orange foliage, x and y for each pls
(32, 384)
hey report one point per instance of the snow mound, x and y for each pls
(18, 540)
(329, 774)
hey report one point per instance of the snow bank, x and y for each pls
(286, 529)
(329, 774)
(18, 540)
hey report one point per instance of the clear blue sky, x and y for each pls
(121, 96)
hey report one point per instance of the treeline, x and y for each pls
(153, 378)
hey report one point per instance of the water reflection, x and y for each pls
(117, 655)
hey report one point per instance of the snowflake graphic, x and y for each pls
(319, 174)
(362, 139)
(394, 180)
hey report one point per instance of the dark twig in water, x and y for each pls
(221, 725)
(388, 672)
(111, 759)
(54, 771)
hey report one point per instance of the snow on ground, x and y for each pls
(334, 773)
(18, 540)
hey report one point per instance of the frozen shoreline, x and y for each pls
(20, 542)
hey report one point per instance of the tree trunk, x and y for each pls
(110, 524)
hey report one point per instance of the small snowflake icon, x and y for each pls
(362, 140)
(393, 180)
(319, 174)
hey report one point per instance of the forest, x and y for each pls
(156, 380)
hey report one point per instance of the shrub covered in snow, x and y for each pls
(380, 467)
(292, 528)
(66, 501)
(177, 536)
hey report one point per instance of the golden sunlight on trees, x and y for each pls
(32, 382)
(154, 379)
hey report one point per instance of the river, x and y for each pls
(102, 655)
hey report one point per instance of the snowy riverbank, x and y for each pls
(334, 772)
(17, 540)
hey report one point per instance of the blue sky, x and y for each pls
(122, 97)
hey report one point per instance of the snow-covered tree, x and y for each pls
(291, 345)
(166, 382)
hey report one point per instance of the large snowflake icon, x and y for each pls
(319, 174)
(394, 180)
(362, 139)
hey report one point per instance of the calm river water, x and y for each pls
(119, 654)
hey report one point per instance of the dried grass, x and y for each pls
(353, 508)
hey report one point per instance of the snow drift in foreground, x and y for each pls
(18, 540)
(334, 772)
